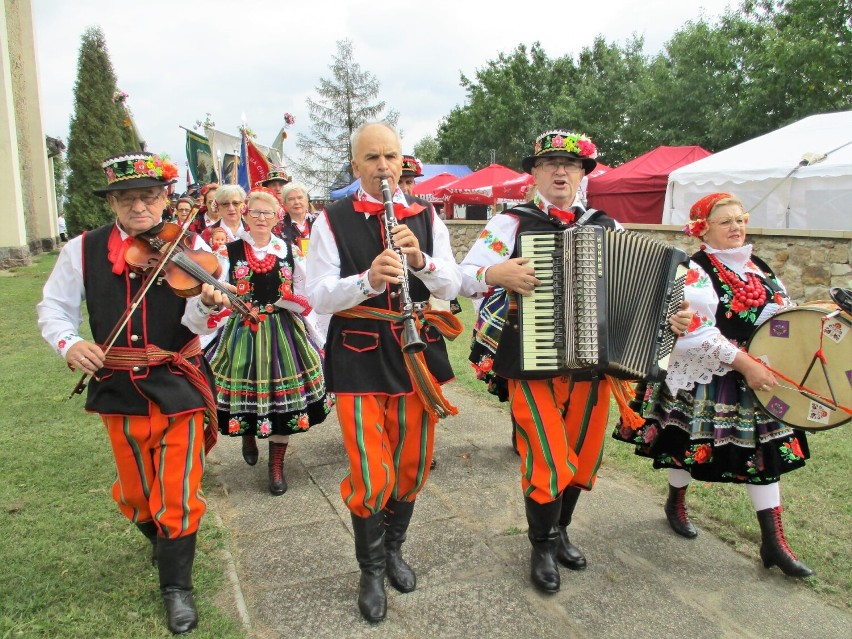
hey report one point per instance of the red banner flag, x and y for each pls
(258, 165)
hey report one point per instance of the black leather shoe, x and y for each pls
(567, 553)
(250, 453)
(677, 514)
(180, 608)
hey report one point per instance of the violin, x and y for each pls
(187, 268)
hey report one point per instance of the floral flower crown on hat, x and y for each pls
(566, 141)
(700, 211)
(138, 165)
(412, 165)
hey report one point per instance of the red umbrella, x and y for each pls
(426, 188)
(478, 187)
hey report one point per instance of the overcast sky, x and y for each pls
(179, 59)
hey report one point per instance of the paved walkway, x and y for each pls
(297, 576)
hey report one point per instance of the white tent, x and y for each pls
(798, 177)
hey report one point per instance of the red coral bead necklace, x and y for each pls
(259, 266)
(750, 293)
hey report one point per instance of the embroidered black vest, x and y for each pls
(155, 321)
(732, 325)
(265, 288)
(507, 359)
(363, 355)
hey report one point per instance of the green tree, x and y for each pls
(427, 150)
(345, 103)
(508, 104)
(610, 80)
(97, 131)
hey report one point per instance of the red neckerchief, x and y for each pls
(400, 210)
(567, 217)
(116, 250)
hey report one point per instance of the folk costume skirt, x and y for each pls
(716, 432)
(268, 376)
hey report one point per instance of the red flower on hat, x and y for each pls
(558, 142)
(587, 148)
(140, 166)
(110, 174)
(170, 171)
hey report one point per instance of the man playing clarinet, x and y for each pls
(386, 416)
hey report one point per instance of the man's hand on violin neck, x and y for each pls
(213, 297)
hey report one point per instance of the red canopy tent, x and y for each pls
(478, 187)
(635, 191)
(426, 188)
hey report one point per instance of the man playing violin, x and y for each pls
(149, 384)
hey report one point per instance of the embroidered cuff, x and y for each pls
(428, 268)
(363, 283)
(66, 342)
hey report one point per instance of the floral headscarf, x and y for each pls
(700, 211)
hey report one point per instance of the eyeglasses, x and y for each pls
(728, 221)
(258, 212)
(126, 200)
(226, 205)
(552, 164)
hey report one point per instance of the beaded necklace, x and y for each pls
(259, 266)
(750, 293)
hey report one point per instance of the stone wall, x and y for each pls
(808, 262)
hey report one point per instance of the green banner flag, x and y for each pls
(200, 159)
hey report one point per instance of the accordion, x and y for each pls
(603, 304)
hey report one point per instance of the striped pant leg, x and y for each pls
(586, 426)
(160, 462)
(366, 487)
(411, 435)
(548, 463)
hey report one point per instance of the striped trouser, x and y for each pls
(560, 433)
(160, 461)
(388, 441)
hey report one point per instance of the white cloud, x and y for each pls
(180, 59)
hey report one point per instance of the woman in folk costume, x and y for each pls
(268, 374)
(704, 423)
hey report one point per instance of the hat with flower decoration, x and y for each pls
(566, 144)
(138, 170)
(411, 166)
(276, 174)
(700, 211)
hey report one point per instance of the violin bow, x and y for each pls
(134, 304)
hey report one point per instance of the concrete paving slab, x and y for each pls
(295, 561)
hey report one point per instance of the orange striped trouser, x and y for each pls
(560, 433)
(160, 461)
(388, 441)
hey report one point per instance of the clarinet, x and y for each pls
(410, 340)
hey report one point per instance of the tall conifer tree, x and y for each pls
(99, 129)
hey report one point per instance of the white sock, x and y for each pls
(679, 478)
(763, 497)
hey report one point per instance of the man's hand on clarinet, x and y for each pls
(86, 357)
(386, 269)
(513, 275)
(405, 240)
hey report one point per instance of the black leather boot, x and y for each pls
(397, 518)
(542, 520)
(676, 513)
(774, 550)
(277, 482)
(175, 564)
(149, 529)
(250, 452)
(567, 553)
(370, 553)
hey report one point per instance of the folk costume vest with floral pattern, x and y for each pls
(507, 359)
(363, 355)
(736, 328)
(156, 321)
(265, 287)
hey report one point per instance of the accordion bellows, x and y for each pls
(603, 304)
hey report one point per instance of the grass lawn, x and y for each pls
(73, 566)
(817, 508)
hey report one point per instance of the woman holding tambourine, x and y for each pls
(703, 422)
